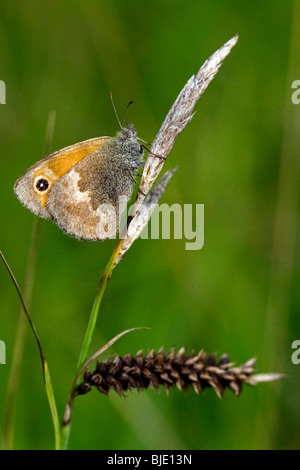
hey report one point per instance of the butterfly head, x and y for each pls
(129, 145)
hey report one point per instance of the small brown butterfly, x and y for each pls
(85, 187)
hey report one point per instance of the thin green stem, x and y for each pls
(21, 331)
(52, 404)
(18, 349)
(46, 374)
(96, 306)
(66, 426)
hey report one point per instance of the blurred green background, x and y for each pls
(239, 157)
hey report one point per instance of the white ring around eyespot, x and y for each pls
(47, 175)
(41, 177)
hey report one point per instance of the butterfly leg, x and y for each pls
(136, 183)
(154, 154)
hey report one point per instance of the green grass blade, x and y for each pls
(46, 374)
(96, 305)
(52, 404)
(21, 331)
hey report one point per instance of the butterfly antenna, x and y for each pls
(113, 105)
(125, 112)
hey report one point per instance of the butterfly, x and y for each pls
(85, 187)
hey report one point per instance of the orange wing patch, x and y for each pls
(59, 163)
(68, 157)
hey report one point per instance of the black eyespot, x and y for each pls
(42, 184)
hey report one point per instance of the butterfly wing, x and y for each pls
(45, 174)
(87, 201)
